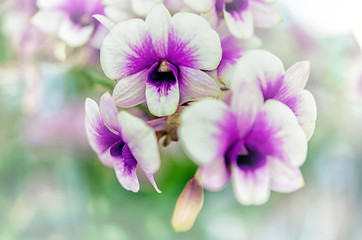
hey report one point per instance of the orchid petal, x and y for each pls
(74, 35)
(193, 43)
(264, 67)
(297, 76)
(250, 187)
(200, 5)
(48, 21)
(240, 24)
(277, 132)
(162, 90)
(215, 175)
(142, 7)
(197, 84)
(99, 136)
(232, 50)
(106, 22)
(284, 178)
(141, 140)
(127, 50)
(109, 112)
(207, 129)
(306, 113)
(158, 22)
(246, 102)
(125, 167)
(264, 14)
(130, 91)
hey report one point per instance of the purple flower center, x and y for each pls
(246, 157)
(163, 75)
(78, 18)
(231, 5)
(121, 150)
(251, 160)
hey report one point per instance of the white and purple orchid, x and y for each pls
(275, 83)
(71, 21)
(160, 58)
(260, 146)
(240, 15)
(122, 141)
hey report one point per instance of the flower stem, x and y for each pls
(156, 121)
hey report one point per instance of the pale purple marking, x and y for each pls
(231, 52)
(279, 90)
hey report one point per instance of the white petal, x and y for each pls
(215, 175)
(48, 21)
(193, 43)
(142, 7)
(306, 113)
(250, 187)
(284, 178)
(117, 15)
(246, 102)
(109, 112)
(207, 129)
(158, 22)
(283, 134)
(297, 76)
(74, 35)
(240, 25)
(261, 66)
(106, 22)
(125, 50)
(200, 5)
(48, 3)
(130, 91)
(264, 14)
(197, 84)
(142, 141)
(162, 103)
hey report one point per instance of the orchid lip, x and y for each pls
(246, 157)
(163, 75)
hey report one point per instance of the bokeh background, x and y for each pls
(53, 187)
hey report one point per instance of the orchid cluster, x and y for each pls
(236, 112)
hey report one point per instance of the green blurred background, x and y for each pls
(52, 185)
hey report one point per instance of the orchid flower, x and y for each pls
(122, 141)
(240, 15)
(157, 59)
(71, 20)
(285, 86)
(260, 146)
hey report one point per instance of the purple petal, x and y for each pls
(277, 133)
(127, 49)
(193, 43)
(99, 136)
